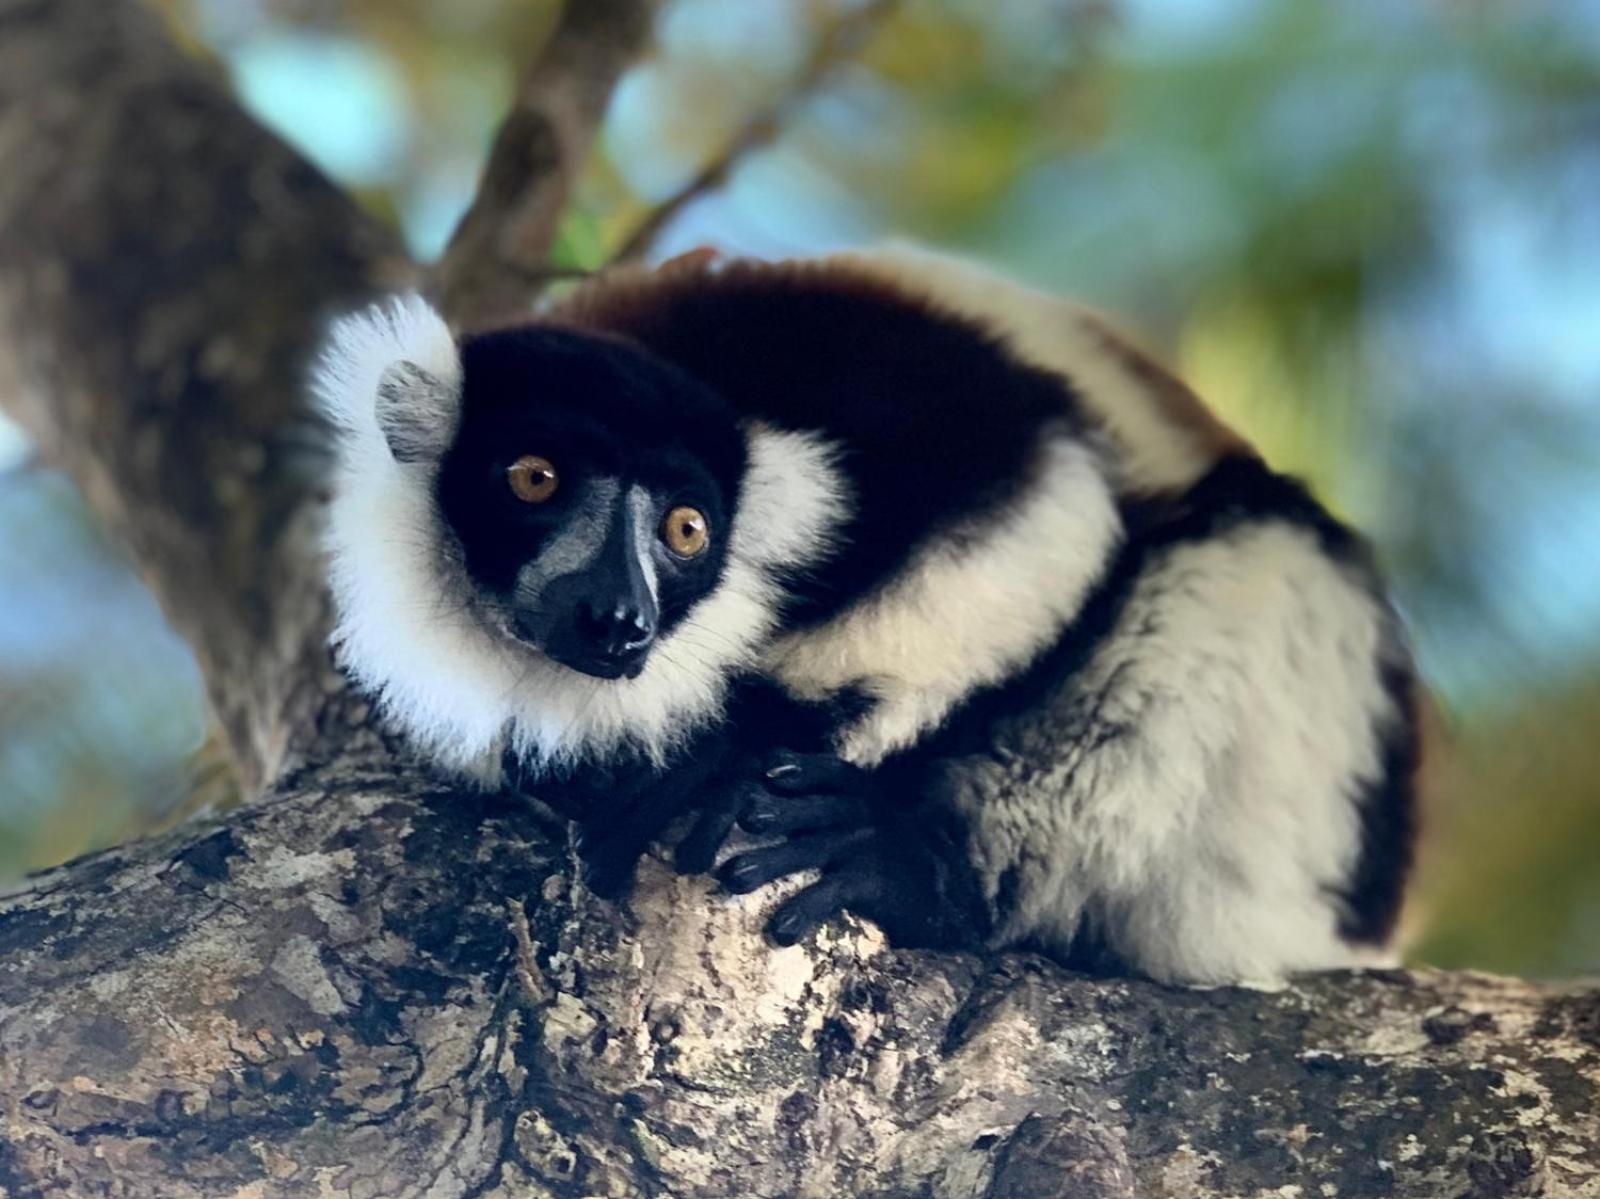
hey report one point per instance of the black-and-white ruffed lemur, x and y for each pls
(934, 581)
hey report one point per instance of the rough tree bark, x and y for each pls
(366, 984)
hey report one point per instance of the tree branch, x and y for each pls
(842, 39)
(498, 257)
(164, 267)
(375, 986)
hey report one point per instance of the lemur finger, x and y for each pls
(767, 814)
(757, 867)
(636, 826)
(791, 773)
(797, 916)
(611, 851)
(609, 872)
(698, 849)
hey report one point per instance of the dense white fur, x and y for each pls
(1153, 453)
(963, 615)
(413, 631)
(1193, 791)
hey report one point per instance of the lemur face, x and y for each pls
(587, 527)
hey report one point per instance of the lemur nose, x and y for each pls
(618, 628)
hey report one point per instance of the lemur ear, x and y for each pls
(416, 412)
(389, 379)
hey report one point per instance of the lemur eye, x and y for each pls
(685, 531)
(533, 480)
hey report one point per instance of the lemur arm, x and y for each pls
(622, 806)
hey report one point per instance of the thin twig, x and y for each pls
(842, 39)
(498, 258)
(528, 972)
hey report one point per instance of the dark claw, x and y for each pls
(787, 928)
(762, 816)
(795, 773)
(783, 762)
(742, 874)
(819, 903)
(757, 867)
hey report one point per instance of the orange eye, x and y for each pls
(533, 480)
(686, 532)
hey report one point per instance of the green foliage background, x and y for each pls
(1366, 231)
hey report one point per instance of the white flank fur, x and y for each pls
(963, 614)
(408, 628)
(1154, 453)
(1193, 792)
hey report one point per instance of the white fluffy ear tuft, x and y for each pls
(416, 411)
(392, 373)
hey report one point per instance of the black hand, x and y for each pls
(909, 874)
(619, 827)
(780, 792)
(724, 799)
(616, 835)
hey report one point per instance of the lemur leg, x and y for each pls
(1216, 794)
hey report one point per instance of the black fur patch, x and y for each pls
(1388, 809)
(939, 422)
(593, 406)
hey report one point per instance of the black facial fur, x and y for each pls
(597, 409)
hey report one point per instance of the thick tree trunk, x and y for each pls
(367, 984)
(165, 268)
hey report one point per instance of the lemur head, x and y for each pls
(588, 527)
(552, 540)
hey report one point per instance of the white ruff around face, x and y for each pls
(412, 631)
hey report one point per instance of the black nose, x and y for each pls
(615, 629)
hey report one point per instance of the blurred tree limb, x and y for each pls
(842, 37)
(498, 258)
(366, 984)
(164, 268)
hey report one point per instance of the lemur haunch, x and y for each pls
(1088, 674)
